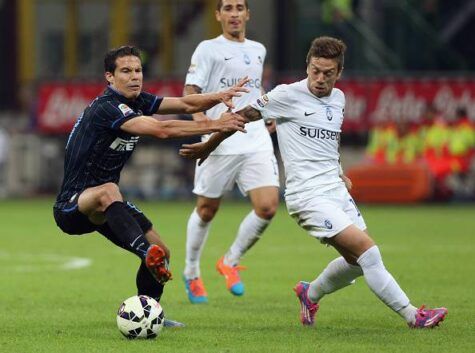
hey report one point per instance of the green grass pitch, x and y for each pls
(46, 307)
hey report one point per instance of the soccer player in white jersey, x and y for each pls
(246, 159)
(309, 116)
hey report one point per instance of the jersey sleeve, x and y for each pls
(274, 104)
(200, 67)
(112, 114)
(150, 103)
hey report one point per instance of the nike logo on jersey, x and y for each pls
(308, 114)
(226, 59)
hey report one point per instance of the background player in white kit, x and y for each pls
(309, 116)
(245, 158)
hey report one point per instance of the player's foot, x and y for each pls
(231, 274)
(157, 263)
(429, 318)
(196, 290)
(308, 309)
(172, 323)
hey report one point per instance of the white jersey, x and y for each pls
(218, 64)
(308, 131)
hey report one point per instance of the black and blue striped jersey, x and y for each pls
(97, 149)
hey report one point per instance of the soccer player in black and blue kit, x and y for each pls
(100, 144)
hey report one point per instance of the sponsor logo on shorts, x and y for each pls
(328, 224)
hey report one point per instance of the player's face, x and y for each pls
(233, 16)
(322, 75)
(128, 77)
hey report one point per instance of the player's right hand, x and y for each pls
(234, 91)
(230, 122)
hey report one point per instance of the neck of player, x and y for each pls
(235, 36)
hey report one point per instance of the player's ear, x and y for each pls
(109, 77)
(248, 16)
(218, 15)
(339, 73)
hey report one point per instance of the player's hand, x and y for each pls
(270, 125)
(347, 181)
(230, 122)
(234, 91)
(200, 150)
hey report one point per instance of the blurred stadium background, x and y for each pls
(409, 123)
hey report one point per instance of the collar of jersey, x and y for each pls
(111, 91)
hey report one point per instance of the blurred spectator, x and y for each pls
(461, 148)
(383, 143)
(436, 154)
(448, 150)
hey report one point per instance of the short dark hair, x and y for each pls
(328, 48)
(113, 54)
(220, 4)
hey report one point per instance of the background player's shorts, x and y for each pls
(73, 222)
(250, 171)
(325, 214)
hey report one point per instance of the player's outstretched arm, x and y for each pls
(198, 102)
(147, 125)
(194, 89)
(202, 150)
(250, 113)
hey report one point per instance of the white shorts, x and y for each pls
(324, 215)
(250, 171)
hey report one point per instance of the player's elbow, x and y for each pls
(163, 133)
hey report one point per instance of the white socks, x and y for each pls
(338, 274)
(248, 234)
(196, 235)
(384, 285)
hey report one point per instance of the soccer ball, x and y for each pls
(140, 317)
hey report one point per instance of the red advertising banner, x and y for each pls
(373, 101)
(60, 104)
(368, 101)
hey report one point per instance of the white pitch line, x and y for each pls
(76, 263)
(38, 262)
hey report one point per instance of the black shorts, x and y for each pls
(73, 222)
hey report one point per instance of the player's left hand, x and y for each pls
(234, 91)
(347, 181)
(200, 150)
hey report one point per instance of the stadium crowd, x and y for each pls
(445, 146)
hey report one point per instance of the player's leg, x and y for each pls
(212, 179)
(104, 203)
(357, 247)
(196, 235)
(258, 178)
(264, 201)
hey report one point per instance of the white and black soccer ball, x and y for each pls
(140, 317)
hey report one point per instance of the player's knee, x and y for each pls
(110, 193)
(266, 211)
(206, 212)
